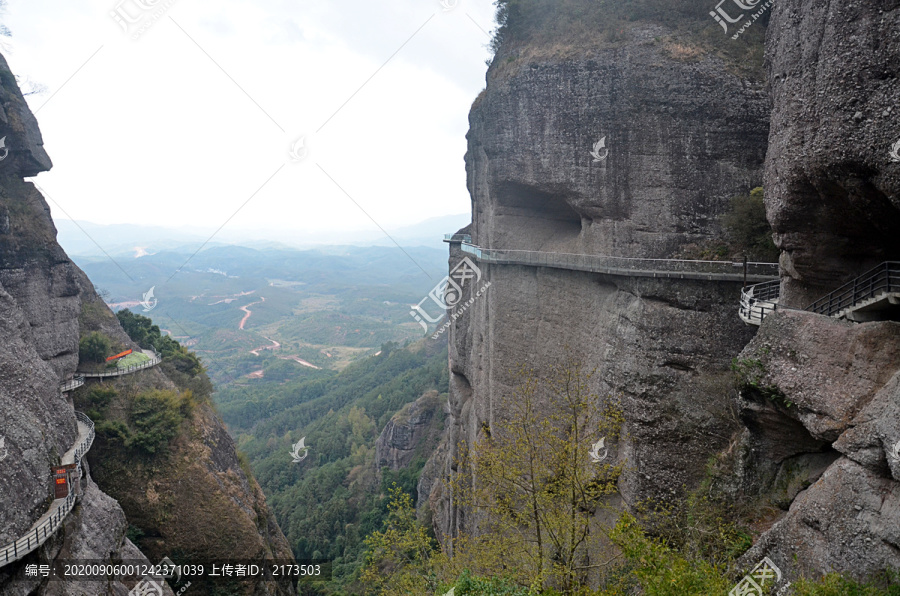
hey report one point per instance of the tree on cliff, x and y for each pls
(747, 228)
(93, 347)
(536, 477)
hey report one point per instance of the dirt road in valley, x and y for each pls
(247, 310)
(275, 345)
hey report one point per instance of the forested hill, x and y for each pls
(328, 503)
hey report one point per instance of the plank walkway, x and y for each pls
(48, 523)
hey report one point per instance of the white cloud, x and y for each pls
(156, 131)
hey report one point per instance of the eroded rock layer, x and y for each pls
(683, 137)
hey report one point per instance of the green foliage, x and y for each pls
(557, 24)
(330, 502)
(100, 397)
(182, 366)
(113, 431)
(156, 417)
(655, 569)
(747, 229)
(700, 526)
(749, 377)
(94, 347)
(134, 533)
(537, 488)
(833, 584)
(469, 585)
(401, 555)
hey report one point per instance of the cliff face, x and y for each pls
(39, 307)
(825, 411)
(44, 299)
(832, 186)
(684, 136)
(411, 433)
(813, 431)
(827, 421)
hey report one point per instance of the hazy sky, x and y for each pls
(196, 117)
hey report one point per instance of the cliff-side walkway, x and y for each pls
(154, 360)
(48, 523)
(627, 266)
(863, 298)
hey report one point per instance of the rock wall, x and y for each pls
(832, 184)
(823, 439)
(43, 300)
(683, 138)
(410, 433)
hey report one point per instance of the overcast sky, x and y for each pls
(192, 122)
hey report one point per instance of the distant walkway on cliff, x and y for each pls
(48, 523)
(153, 361)
(624, 266)
(864, 298)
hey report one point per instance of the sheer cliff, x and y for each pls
(826, 391)
(683, 134)
(810, 437)
(46, 305)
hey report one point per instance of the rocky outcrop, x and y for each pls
(46, 303)
(832, 183)
(681, 139)
(827, 419)
(847, 522)
(684, 136)
(410, 433)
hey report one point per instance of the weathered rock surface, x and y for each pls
(829, 369)
(95, 531)
(680, 146)
(848, 522)
(683, 137)
(832, 187)
(816, 388)
(873, 438)
(412, 432)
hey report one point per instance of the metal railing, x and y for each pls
(39, 534)
(666, 268)
(154, 360)
(458, 238)
(883, 279)
(759, 300)
(72, 384)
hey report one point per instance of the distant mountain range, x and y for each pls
(84, 238)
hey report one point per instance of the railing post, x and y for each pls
(745, 270)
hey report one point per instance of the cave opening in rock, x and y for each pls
(528, 218)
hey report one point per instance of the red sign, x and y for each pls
(62, 483)
(119, 355)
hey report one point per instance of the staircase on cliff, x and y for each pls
(872, 296)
